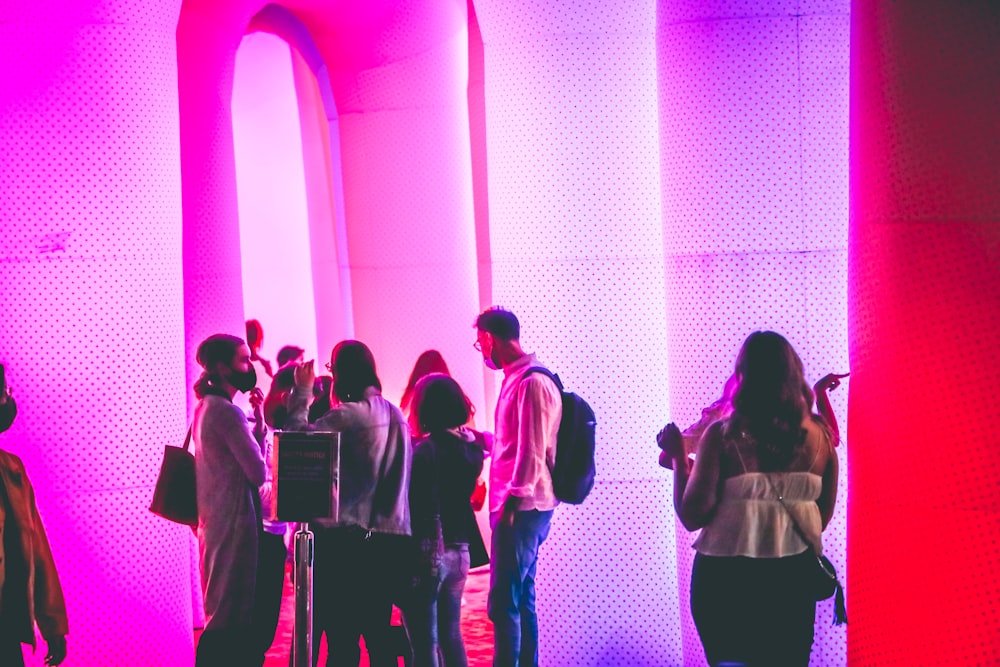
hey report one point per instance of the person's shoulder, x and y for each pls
(11, 462)
(539, 377)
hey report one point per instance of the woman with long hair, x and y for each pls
(767, 460)
(360, 557)
(446, 464)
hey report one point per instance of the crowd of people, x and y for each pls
(406, 532)
(757, 475)
(407, 535)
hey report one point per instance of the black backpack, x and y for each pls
(574, 471)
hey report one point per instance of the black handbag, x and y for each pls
(820, 579)
(174, 497)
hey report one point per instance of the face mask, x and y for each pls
(488, 359)
(243, 381)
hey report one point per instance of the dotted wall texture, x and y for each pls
(208, 34)
(91, 292)
(576, 245)
(925, 333)
(399, 74)
(754, 155)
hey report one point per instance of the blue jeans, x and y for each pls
(454, 572)
(433, 612)
(511, 604)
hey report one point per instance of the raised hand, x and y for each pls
(305, 376)
(670, 440)
(829, 382)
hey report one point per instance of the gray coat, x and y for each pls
(229, 468)
(375, 459)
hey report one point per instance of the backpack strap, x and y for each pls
(547, 373)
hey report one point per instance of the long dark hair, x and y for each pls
(214, 350)
(772, 398)
(353, 371)
(429, 361)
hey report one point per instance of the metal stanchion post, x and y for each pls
(302, 643)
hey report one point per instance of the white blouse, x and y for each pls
(749, 520)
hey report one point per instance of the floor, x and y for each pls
(477, 631)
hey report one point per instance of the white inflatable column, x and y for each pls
(577, 253)
(399, 72)
(754, 150)
(91, 291)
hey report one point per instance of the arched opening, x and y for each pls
(271, 193)
(289, 187)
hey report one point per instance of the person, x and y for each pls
(321, 397)
(255, 341)
(446, 465)
(746, 600)
(290, 354)
(521, 497)
(30, 593)
(272, 550)
(360, 559)
(276, 400)
(429, 361)
(229, 467)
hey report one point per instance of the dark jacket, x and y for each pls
(44, 603)
(445, 468)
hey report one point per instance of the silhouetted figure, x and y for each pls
(229, 467)
(446, 465)
(359, 560)
(748, 597)
(30, 592)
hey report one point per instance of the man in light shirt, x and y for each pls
(521, 497)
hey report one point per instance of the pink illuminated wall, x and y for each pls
(271, 195)
(925, 333)
(643, 182)
(92, 303)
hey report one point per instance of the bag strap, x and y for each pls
(795, 522)
(187, 438)
(547, 373)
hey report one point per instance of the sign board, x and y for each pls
(306, 476)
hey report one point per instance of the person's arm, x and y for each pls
(539, 406)
(827, 383)
(696, 494)
(235, 431)
(298, 404)
(828, 496)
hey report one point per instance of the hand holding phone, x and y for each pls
(670, 440)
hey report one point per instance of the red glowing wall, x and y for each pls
(924, 334)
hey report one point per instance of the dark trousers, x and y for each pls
(228, 647)
(10, 651)
(271, 556)
(751, 611)
(356, 579)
